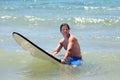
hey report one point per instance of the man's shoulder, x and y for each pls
(61, 40)
(73, 37)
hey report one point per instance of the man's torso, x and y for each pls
(75, 51)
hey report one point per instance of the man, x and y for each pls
(69, 42)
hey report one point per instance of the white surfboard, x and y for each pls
(33, 48)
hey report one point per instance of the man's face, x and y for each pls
(65, 30)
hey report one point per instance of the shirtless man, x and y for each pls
(69, 42)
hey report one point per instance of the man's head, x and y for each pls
(65, 29)
(64, 24)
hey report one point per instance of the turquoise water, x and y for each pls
(95, 23)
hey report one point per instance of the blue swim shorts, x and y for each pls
(74, 60)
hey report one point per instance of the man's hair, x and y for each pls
(64, 24)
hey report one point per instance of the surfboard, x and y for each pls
(33, 49)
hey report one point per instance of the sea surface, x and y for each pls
(95, 23)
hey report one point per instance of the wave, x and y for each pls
(12, 5)
(106, 21)
(58, 7)
(37, 20)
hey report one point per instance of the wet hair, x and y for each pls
(64, 24)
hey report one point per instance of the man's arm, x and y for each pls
(58, 48)
(68, 51)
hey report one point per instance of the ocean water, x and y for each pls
(96, 24)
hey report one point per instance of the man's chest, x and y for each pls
(65, 45)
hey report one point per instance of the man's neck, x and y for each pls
(66, 36)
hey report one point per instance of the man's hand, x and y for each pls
(63, 61)
(53, 53)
